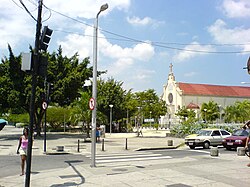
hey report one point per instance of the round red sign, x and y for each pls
(91, 103)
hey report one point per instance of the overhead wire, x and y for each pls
(157, 44)
(26, 9)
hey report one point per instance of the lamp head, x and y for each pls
(104, 7)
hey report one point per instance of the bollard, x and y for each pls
(78, 146)
(59, 148)
(241, 151)
(214, 151)
(170, 142)
(126, 144)
(102, 144)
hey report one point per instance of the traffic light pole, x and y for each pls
(33, 93)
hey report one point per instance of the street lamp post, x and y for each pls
(150, 118)
(94, 88)
(205, 110)
(110, 125)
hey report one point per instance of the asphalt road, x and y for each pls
(10, 165)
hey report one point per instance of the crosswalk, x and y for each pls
(115, 158)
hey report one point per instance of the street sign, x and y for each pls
(44, 105)
(91, 103)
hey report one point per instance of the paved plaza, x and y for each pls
(132, 168)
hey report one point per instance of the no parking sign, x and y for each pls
(91, 103)
(44, 105)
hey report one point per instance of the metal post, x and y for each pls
(78, 146)
(126, 144)
(110, 125)
(45, 112)
(102, 144)
(94, 87)
(33, 93)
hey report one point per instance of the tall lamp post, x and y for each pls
(110, 125)
(150, 118)
(205, 110)
(94, 88)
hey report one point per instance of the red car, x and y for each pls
(238, 139)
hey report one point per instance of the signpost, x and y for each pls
(91, 103)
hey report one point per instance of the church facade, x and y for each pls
(179, 94)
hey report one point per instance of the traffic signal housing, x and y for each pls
(45, 38)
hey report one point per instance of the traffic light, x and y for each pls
(43, 64)
(51, 88)
(45, 38)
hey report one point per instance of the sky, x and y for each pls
(207, 41)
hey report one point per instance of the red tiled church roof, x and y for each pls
(214, 90)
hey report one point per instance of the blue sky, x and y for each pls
(208, 41)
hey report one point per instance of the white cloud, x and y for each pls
(120, 66)
(143, 74)
(224, 35)
(141, 51)
(192, 50)
(15, 26)
(85, 8)
(82, 44)
(137, 21)
(236, 9)
(18, 29)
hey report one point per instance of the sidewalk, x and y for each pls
(200, 171)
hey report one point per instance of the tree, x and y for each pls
(239, 112)
(210, 111)
(111, 92)
(148, 101)
(67, 75)
(185, 114)
(81, 111)
(15, 85)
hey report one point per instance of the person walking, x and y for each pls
(23, 146)
(247, 146)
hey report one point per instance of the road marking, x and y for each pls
(133, 159)
(128, 157)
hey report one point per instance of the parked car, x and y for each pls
(206, 137)
(238, 139)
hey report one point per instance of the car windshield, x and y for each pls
(204, 133)
(241, 132)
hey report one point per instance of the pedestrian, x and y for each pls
(23, 146)
(98, 134)
(247, 146)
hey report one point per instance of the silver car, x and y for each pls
(206, 137)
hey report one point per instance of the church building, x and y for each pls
(192, 96)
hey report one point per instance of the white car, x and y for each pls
(206, 137)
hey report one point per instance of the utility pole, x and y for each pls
(33, 92)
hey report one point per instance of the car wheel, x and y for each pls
(191, 147)
(206, 145)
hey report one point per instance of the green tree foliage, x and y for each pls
(57, 117)
(186, 114)
(14, 85)
(210, 111)
(149, 104)
(239, 112)
(67, 75)
(111, 92)
(81, 112)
